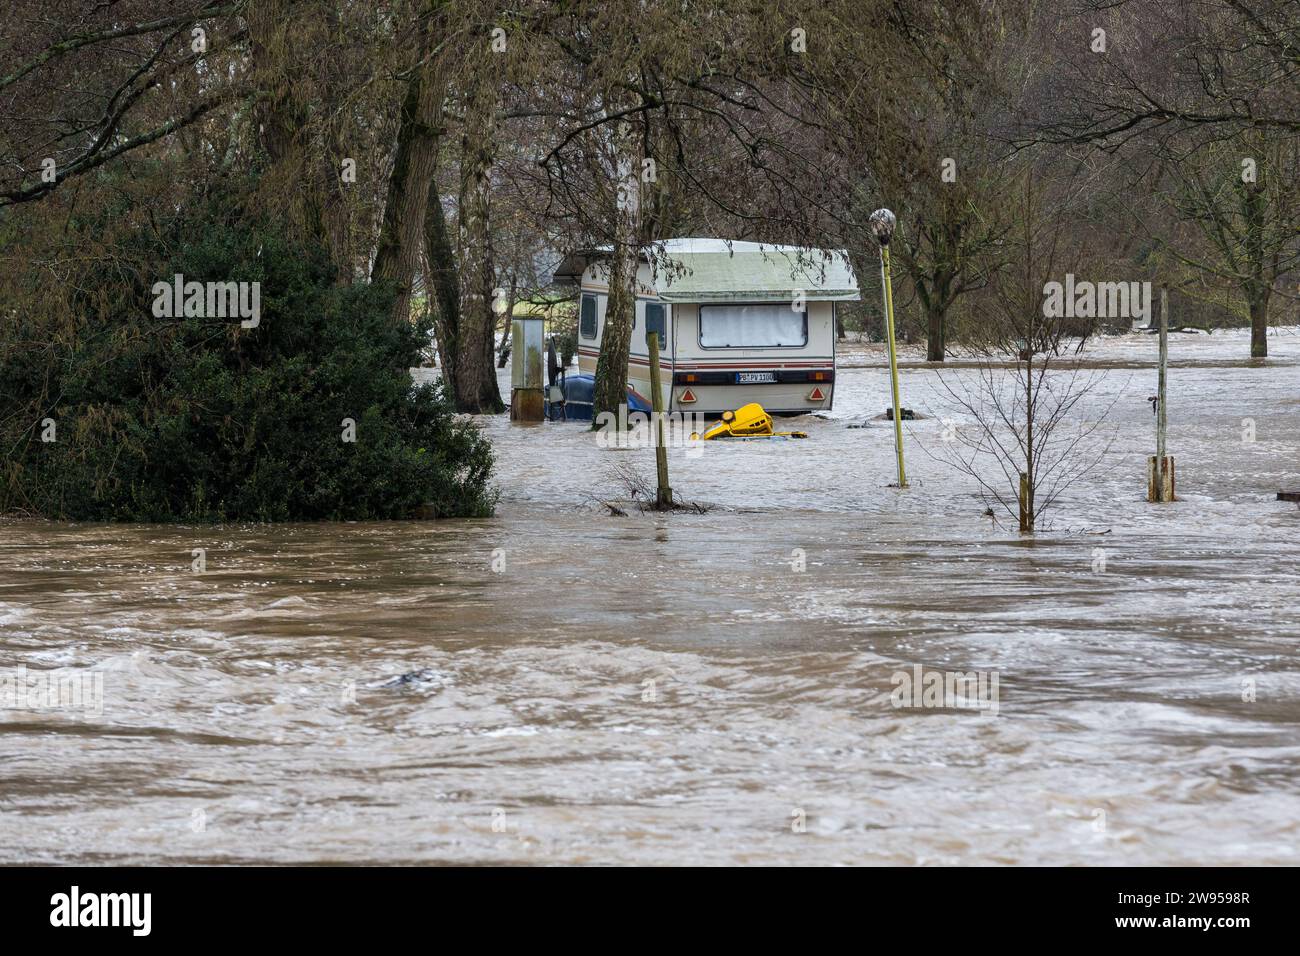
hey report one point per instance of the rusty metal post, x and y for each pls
(527, 379)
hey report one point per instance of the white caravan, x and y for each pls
(742, 322)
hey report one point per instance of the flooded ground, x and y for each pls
(698, 688)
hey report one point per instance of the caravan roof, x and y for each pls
(732, 270)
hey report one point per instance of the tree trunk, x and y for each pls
(936, 296)
(336, 213)
(280, 114)
(611, 367)
(934, 345)
(476, 388)
(503, 353)
(398, 251)
(1255, 213)
(1258, 303)
(503, 350)
(291, 184)
(610, 390)
(444, 281)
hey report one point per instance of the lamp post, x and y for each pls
(882, 225)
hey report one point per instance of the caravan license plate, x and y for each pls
(755, 378)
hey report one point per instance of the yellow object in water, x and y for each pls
(748, 421)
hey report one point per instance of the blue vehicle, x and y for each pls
(569, 399)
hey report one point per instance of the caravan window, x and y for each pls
(771, 325)
(588, 324)
(654, 322)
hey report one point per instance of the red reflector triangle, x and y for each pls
(816, 395)
(687, 396)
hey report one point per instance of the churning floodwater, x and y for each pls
(699, 688)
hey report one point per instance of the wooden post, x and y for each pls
(663, 494)
(1160, 479)
(1026, 522)
(1160, 468)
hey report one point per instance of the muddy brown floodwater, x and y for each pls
(697, 688)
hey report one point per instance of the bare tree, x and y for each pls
(91, 86)
(1240, 194)
(1027, 440)
(1202, 88)
(920, 143)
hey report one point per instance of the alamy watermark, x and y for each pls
(64, 688)
(641, 430)
(208, 300)
(130, 910)
(953, 690)
(1082, 299)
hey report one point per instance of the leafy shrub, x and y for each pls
(198, 419)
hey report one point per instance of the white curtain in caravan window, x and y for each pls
(752, 326)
